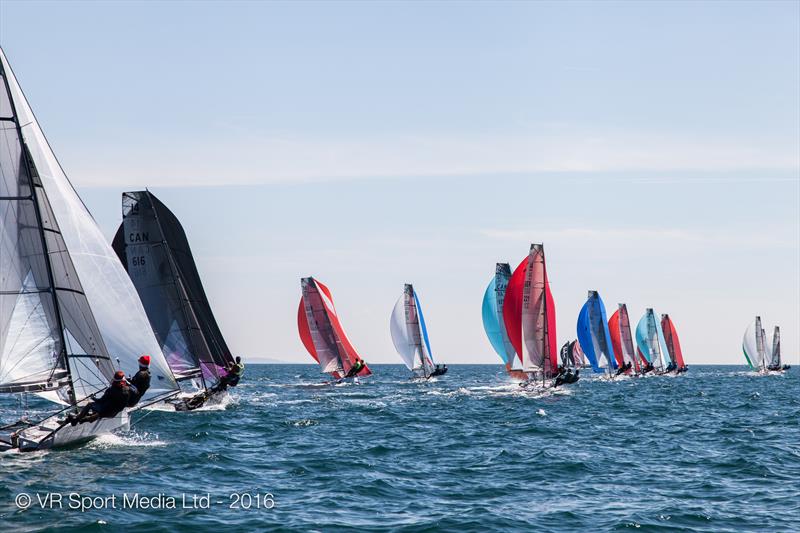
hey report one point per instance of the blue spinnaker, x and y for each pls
(492, 313)
(423, 328)
(593, 333)
(585, 338)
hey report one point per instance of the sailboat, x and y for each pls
(70, 315)
(410, 335)
(594, 336)
(153, 248)
(619, 328)
(650, 342)
(775, 361)
(754, 345)
(494, 325)
(673, 344)
(322, 334)
(529, 315)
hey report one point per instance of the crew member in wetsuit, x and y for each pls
(235, 372)
(114, 400)
(140, 381)
(357, 367)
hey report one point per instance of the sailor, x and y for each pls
(140, 381)
(235, 372)
(357, 367)
(114, 400)
(561, 378)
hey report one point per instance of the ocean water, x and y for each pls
(717, 449)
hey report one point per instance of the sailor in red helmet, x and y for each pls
(140, 381)
(114, 400)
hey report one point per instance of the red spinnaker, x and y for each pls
(671, 338)
(512, 312)
(350, 354)
(512, 307)
(616, 343)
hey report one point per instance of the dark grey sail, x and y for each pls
(153, 247)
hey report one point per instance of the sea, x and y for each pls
(716, 449)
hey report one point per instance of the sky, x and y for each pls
(653, 147)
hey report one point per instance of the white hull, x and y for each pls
(49, 435)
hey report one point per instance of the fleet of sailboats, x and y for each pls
(757, 350)
(76, 310)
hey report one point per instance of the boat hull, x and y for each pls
(50, 435)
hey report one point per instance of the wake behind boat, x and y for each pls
(410, 336)
(152, 245)
(71, 320)
(323, 336)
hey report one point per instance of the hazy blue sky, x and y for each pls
(653, 147)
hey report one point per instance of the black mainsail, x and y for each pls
(153, 247)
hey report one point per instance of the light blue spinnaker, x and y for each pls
(650, 341)
(593, 334)
(492, 313)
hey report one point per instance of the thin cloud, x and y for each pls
(266, 160)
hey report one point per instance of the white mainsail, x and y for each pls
(407, 337)
(118, 315)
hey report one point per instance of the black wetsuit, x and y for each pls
(113, 401)
(140, 382)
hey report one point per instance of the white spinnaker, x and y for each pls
(400, 337)
(114, 301)
(753, 344)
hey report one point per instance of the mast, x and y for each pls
(46, 252)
